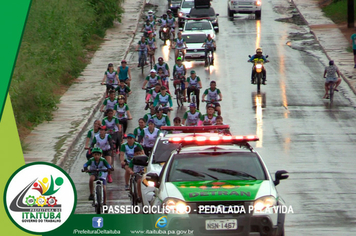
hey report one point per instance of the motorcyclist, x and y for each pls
(179, 44)
(171, 21)
(163, 22)
(209, 45)
(258, 57)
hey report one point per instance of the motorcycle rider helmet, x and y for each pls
(97, 150)
(259, 50)
(160, 59)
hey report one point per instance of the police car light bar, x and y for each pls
(214, 139)
(194, 129)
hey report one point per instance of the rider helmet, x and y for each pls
(150, 12)
(121, 97)
(179, 58)
(160, 59)
(259, 50)
(97, 150)
(210, 106)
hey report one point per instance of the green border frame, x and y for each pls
(25, 166)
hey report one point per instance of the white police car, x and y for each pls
(223, 184)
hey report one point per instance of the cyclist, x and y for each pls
(330, 75)
(122, 112)
(104, 142)
(193, 84)
(210, 117)
(123, 90)
(179, 79)
(138, 151)
(90, 136)
(142, 48)
(124, 72)
(149, 135)
(164, 79)
(213, 96)
(126, 155)
(151, 95)
(94, 163)
(179, 44)
(164, 100)
(141, 126)
(163, 22)
(219, 121)
(151, 41)
(179, 67)
(171, 21)
(147, 28)
(149, 115)
(109, 103)
(258, 57)
(150, 15)
(191, 117)
(209, 45)
(111, 79)
(163, 65)
(113, 128)
(151, 80)
(160, 119)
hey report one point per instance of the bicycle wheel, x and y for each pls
(142, 63)
(151, 61)
(131, 193)
(135, 194)
(331, 90)
(99, 197)
(178, 95)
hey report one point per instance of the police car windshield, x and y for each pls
(163, 151)
(224, 166)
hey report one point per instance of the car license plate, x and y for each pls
(195, 55)
(230, 224)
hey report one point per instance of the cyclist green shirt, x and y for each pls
(164, 121)
(152, 81)
(192, 119)
(212, 95)
(111, 77)
(111, 125)
(193, 82)
(129, 150)
(164, 67)
(149, 138)
(147, 116)
(179, 69)
(121, 111)
(163, 100)
(101, 164)
(143, 45)
(208, 121)
(137, 132)
(209, 44)
(123, 91)
(91, 134)
(104, 144)
(109, 103)
(179, 43)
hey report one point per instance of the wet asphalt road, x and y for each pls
(299, 131)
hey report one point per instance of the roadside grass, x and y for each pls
(337, 11)
(57, 43)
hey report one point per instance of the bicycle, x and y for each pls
(98, 200)
(142, 59)
(331, 91)
(178, 92)
(133, 193)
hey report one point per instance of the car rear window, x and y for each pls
(203, 12)
(188, 4)
(199, 25)
(195, 38)
(184, 167)
(163, 151)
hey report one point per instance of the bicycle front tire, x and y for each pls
(99, 197)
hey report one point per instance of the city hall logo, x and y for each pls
(39, 197)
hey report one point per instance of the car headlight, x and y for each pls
(180, 14)
(148, 183)
(264, 203)
(258, 3)
(174, 205)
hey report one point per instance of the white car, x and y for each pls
(194, 41)
(199, 25)
(220, 186)
(244, 7)
(184, 10)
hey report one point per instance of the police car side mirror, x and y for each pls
(154, 178)
(140, 160)
(280, 174)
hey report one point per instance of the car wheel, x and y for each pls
(230, 13)
(258, 15)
